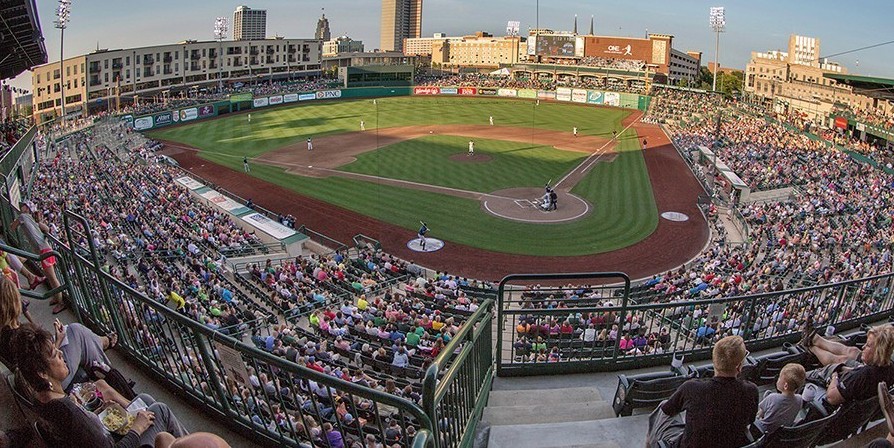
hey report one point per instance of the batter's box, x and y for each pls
(524, 203)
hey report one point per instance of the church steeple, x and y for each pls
(575, 24)
(591, 26)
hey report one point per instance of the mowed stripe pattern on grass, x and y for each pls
(427, 160)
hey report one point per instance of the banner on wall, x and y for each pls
(328, 94)
(527, 93)
(579, 95)
(221, 201)
(448, 90)
(546, 94)
(612, 98)
(507, 92)
(189, 182)
(487, 91)
(467, 91)
(428, 90)
(127, 118)
(189, 114)
(290, 98)
(594, 97)
(142, 123)
(563, 94)
(841, 122)
(275, 100)
(260, 102)
(163, 119)
(206, 111)
(306, 97)
(269, 226)
(241, 98)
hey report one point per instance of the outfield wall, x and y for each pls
(566, 94)
(246, 101)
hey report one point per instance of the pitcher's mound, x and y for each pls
(524, 205)
(475, 158)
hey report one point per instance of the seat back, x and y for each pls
(644, 391)
(853, 416)
(772, 364)
(802, 435)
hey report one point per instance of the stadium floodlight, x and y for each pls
(220, 33)
(718, 22)
(63, 15)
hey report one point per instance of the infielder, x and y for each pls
(310, 144)
(471, 148)
(249, 118)
(574, 131)
(491, 120)
(245, 166)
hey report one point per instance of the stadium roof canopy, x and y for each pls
(881, 88)
(21, 40)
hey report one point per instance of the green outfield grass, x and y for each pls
(427, 160)
(624, 207)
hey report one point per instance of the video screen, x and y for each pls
(559, 46)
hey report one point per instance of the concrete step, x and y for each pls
(544, 396)
(535, 413)
(607, 433)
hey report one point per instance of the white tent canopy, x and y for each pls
(501, 72)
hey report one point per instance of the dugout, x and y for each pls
(376, 75)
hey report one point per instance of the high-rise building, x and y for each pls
(249, 24)
(401, 19)
(322, 32)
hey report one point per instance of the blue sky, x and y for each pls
(751, 25)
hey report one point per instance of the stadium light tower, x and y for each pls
(718, 22)
(220, 33)
(63, 14)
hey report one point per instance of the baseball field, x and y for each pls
(410, 162)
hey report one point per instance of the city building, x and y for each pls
(342, 44)
(249, 24)
(361, 59)
(795, 80)
(126, 75)
(422, 46)
(480, 50)
(401, 19)
(322, 33)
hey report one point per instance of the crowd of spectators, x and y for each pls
(631, 65)
(873, 116)
(507, 82)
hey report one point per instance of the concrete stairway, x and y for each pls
(545, 417)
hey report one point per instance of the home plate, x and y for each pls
(310, 166)
(431, 245)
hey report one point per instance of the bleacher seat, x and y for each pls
(646, 391)
(801, 435)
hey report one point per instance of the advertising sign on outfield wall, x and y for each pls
(163, 119)
(448, 90)
(428, 90)
(260, 102)
(486, 91)
(507, 92)
(241, 98)
(275, 100)
(612, 98)
(527, 93)
(142, 123)
(594, 97)
(579, 95)
(546, 94)
(127, 118)
(468, 91)
(189, 114)
(563, 94)
(306, 97)
(328, 94)
(206, 111)
(290, 98)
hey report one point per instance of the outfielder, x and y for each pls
(310, 144)
(471, 147)
(491, 120)
(362, 125)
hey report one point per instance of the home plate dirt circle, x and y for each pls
(523, 205)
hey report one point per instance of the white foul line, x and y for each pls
(598, 153)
